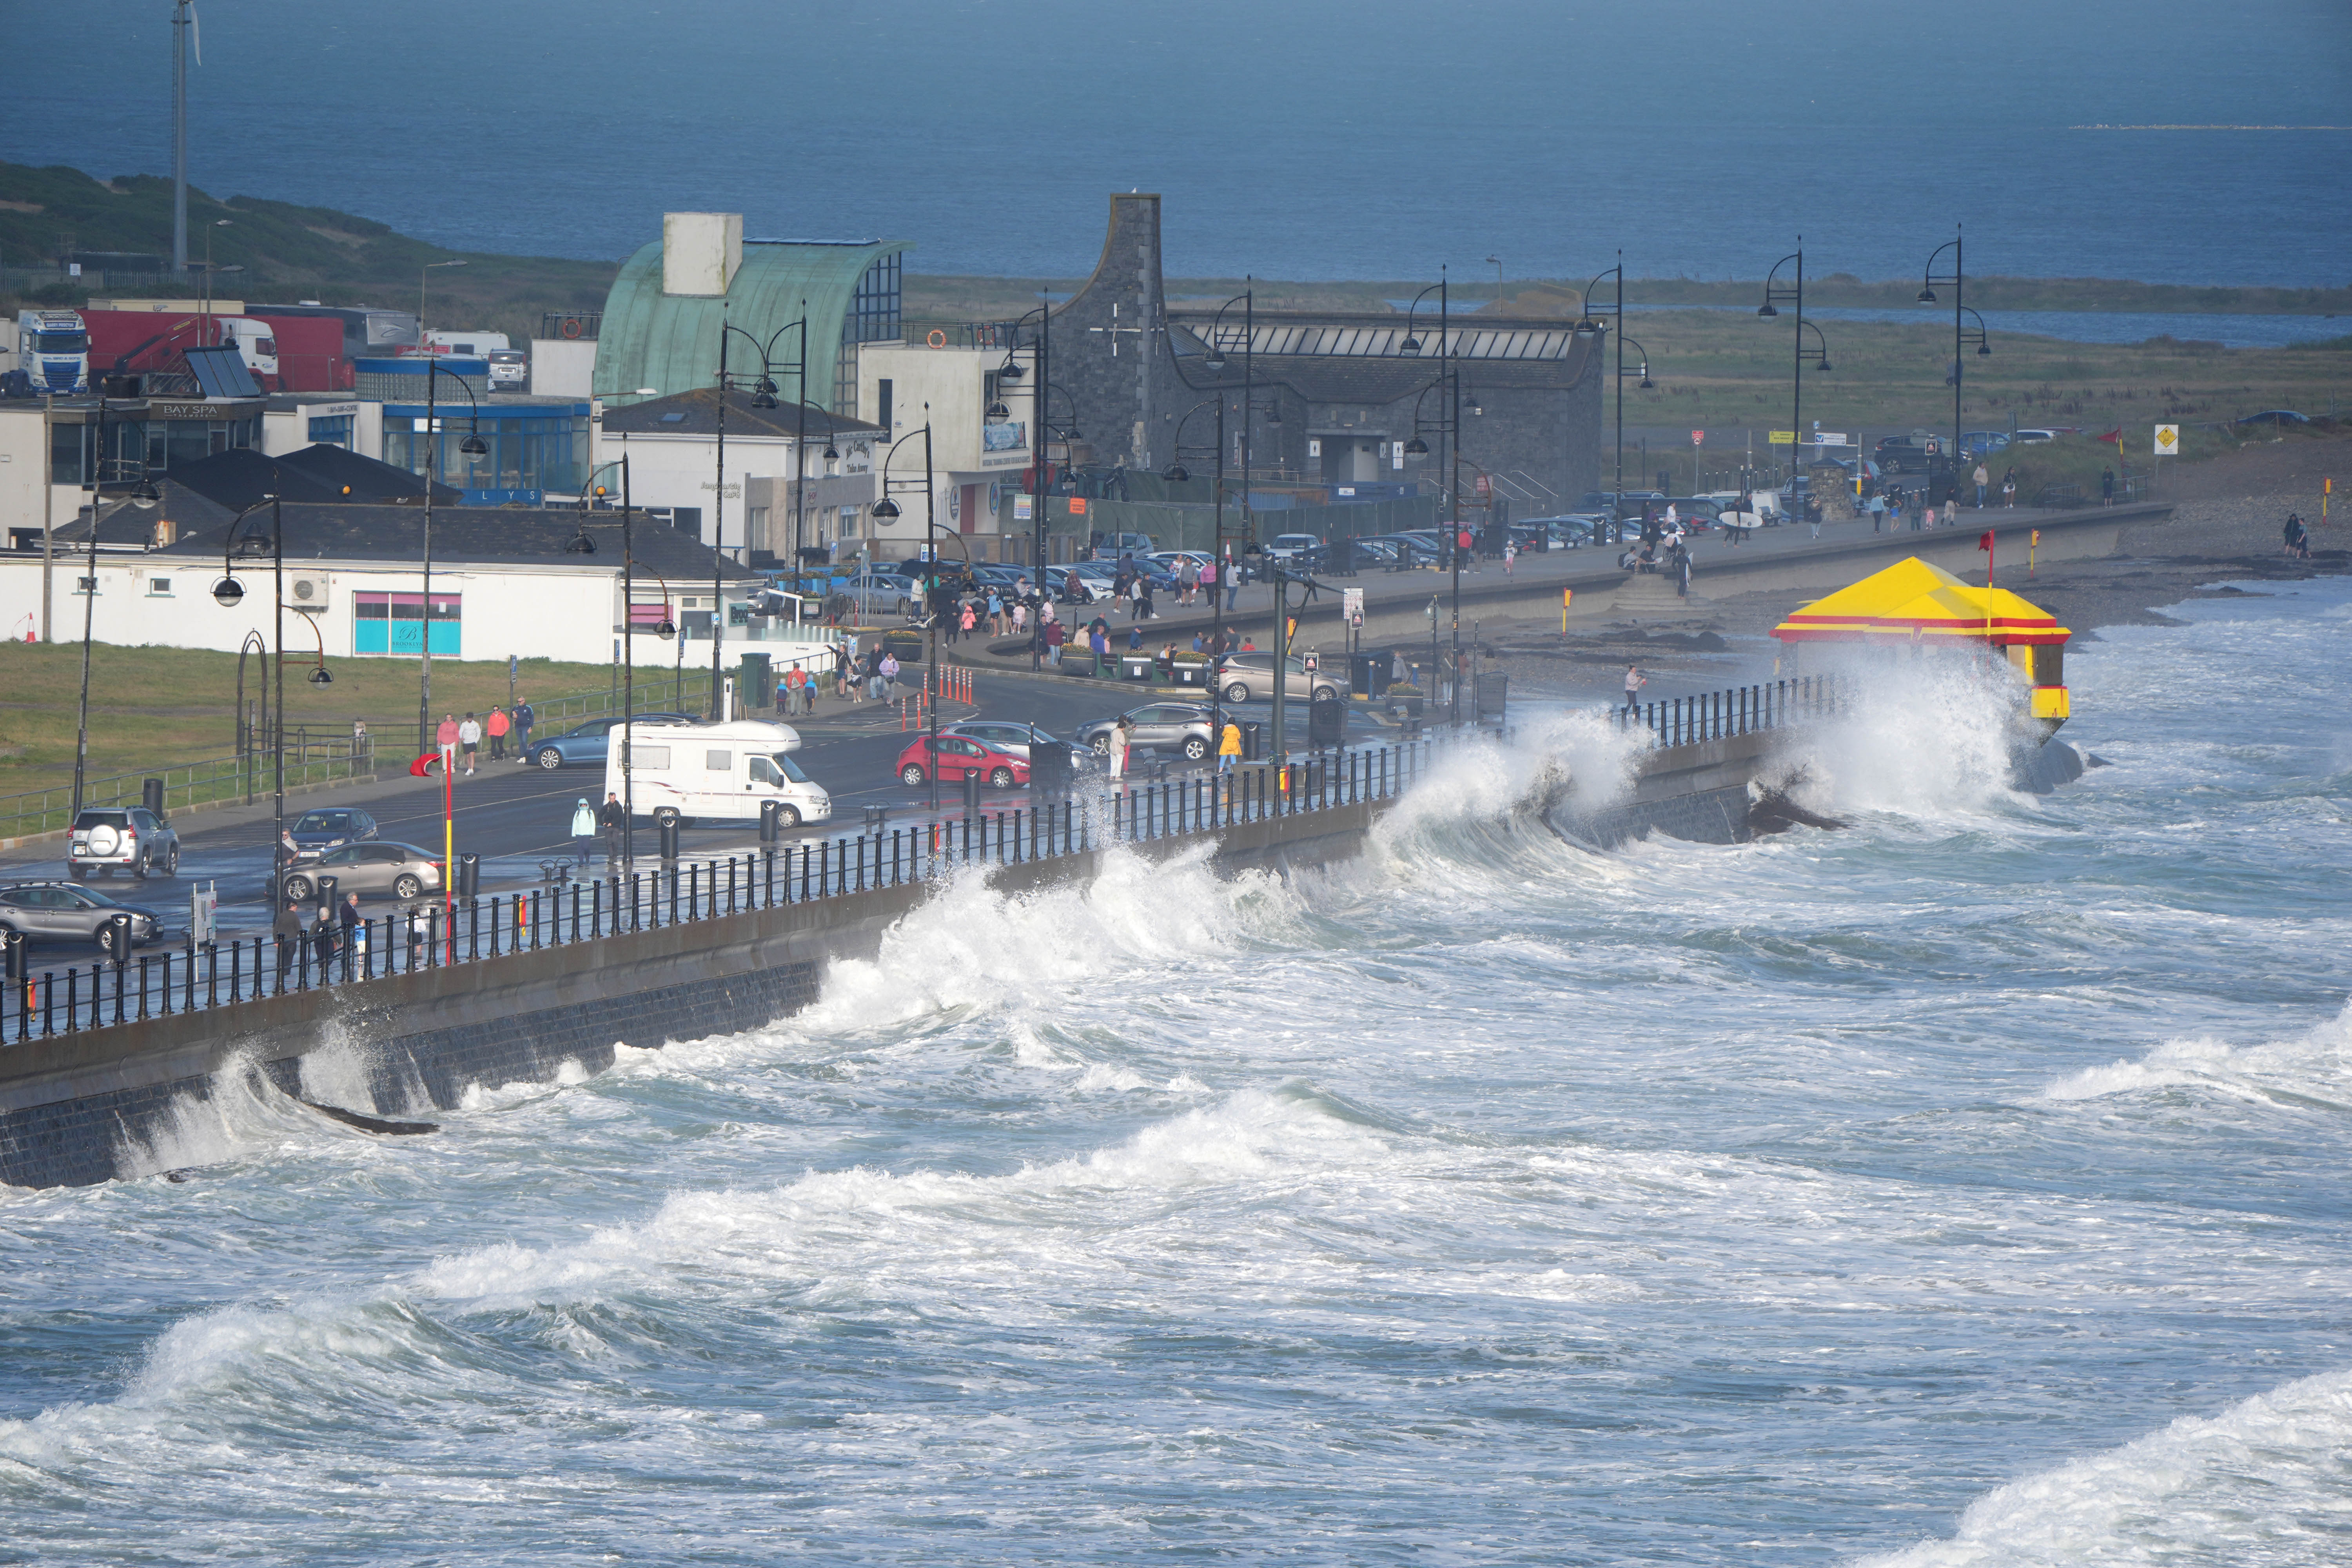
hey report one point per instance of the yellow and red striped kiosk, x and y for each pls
(1916, 605)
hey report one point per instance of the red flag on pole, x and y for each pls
(1984, 541)
(2116, 436)
(423, 766)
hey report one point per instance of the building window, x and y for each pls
(85, 585)
(332, 431)
(872, 315)
(159, 587)
(388, 624)
(755, 528)
(882, 405)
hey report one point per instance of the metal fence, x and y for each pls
(1741, 710)
(185, 784)
(441, 935)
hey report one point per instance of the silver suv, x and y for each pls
(403, 870)
(59, 911)
(132, 837)
(1248, 677)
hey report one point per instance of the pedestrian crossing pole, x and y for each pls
(1565, 595)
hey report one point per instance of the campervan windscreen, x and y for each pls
(788, 768)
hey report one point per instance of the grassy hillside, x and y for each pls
(316, 253)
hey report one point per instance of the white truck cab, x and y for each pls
(715, 772)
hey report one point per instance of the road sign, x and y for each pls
(1698, 436)
(1780, 437)
(1831, 438)
(2168, 441)
(1020, 509)
(1351, 606)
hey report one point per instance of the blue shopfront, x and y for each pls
(536, 445)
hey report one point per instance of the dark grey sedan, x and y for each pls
(60, 911)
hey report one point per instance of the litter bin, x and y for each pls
(1253, 748)
(1135, 666)
(469, 875)
(1493, 690)
(971, 796)
(1327, 721)
(769, 827)
(755, 686)
(327, 892)
(667, 823)
(151, 795)
(1368, 675)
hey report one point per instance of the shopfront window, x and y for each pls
(388, 624)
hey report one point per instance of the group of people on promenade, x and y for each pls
(460, 739)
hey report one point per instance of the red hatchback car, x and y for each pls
(959, 757)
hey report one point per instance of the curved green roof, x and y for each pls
(670, 342)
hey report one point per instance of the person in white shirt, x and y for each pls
(469, 738)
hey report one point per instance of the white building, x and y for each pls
(505, 581)
(977, 457)
(673, 448)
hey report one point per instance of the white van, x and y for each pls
(714, 773)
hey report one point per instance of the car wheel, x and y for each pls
(77, 872)
(299, 890)
(1101, 748)
(407, 885)
(1236, 692)
(1000, 778)
(1327, 694)
(548, 757)
(666, 814)
(172, 861)
(1195, 748)
(788, 816)
(912, 774)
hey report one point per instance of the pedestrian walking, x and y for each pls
(1928, 519)
(497, 729)
(361, 747)
(1510, 559)
(995, 614)
(2009, 487)
(1234, 576)
(2106, 487)
(1148, 612)
(874, 682)
(2298, 537)
(1980, 478)
(614, 818)
(1056, 635)
(1682, 573)
(1466, 543)
(292, 938)
(1209, 580)
(1229, 746)
(523, 719)
(889, 677)
(1634, 681)
(323, 944)
(845, 655)
(446, 737)
(1020, 617)
(584, 826)
(353, 926)
(1121, 733)
(470, 737)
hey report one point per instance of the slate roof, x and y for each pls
(239, 477)
(462, 536)
(700, 411)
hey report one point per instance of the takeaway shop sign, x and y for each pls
(226, 409)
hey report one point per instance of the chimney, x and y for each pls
(701, 253)
(166, 532)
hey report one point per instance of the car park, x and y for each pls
(402, 870)
(60, 911)
(958, 757)
(1249, 677)
(585, 745)
(316, 832)
(108, 839)
(1180, 727)
(881, 593)
(1111, 546)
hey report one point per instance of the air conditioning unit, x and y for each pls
(307, 592)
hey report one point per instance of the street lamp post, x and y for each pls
(883, 510)
(1957, 278)
(1776, 295)
(228, 592)
(1587, 326)
(422, 273)
(763, 397)
(143, 497)
(588, 491)
(473, 445)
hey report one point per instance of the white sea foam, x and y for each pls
(1931, 739)
(2266, 1481)
(2314, 1067)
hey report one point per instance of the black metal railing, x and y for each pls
(1741, 710)
(238, 971)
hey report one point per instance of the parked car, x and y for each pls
(59, 911)
(1169, 560)
(316, 832)
(1283, 546)
(1404, 550)
(2032, 438)
(1094, 581)
(959, 757)
(1181, 727)
(586, 744)
(882, 593)
(1114, 545)
(134, 838)
(1247, 677)
(1983, 443)
(1005, 735)
(403, 870)
(2281, 416)
(717, 772)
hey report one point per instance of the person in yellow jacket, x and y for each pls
(1229, 746)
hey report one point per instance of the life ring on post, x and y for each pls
(571, 327)
(937, 338)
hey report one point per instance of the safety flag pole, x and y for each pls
(1985, 544)
(423, 768)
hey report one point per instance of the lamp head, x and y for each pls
(1010, 370)
(1176, 473)
(321, 676)
(1984, 350)
(1766, 309)
(1477, 407)
(228, 592)
(1213, 360)
(146, 495)
(1411, 345)
(766, 384)
(473, 445)
(1416, 447)
(666, 630)
(1824, 365)
(832, 453)
(1927, 296)
(885, 509)
(1274, 412)
(998, 411)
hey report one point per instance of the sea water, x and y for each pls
(1965, 1187)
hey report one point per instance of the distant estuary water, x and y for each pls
(1966, 1187)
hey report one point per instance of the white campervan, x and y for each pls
(717, 772)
